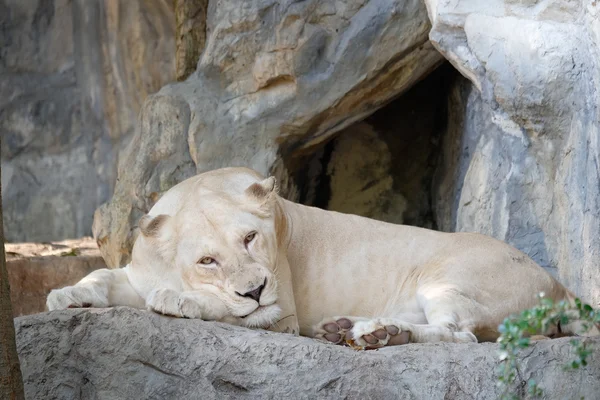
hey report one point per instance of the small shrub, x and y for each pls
(537, 320)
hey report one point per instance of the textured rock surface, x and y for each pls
(73, 76)
(36, 268)
(125, 354)
(275, 80)
(522, 153)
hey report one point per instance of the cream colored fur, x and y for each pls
(329, 275)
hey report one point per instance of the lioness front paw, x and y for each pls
(376, 333)
(334, 329)
(164, 301)
(77, 297)
(173, 303)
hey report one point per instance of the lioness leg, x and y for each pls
(447, 313)
(101, 288)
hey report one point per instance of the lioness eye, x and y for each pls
(249, 237)
(206, 260)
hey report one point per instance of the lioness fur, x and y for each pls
(224, 246)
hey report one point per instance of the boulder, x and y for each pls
(521, 152)
(275, 81)
(123, 353)
(73, 76)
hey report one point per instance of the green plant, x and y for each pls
(537, 320)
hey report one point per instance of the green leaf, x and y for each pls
(72, 253)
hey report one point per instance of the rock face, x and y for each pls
(73, 76)
(123, 353)
(522, 149)
(275, 81)
(36, 268)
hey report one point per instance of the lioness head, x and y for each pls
(224, 239)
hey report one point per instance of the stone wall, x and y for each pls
(73, 76)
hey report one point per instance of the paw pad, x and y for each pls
(331, 327)
(381, 334)
(334, 330)
(344, 323)
(333, 337)
(372, 335)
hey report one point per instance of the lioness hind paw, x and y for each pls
(333, 330)
(373, 335)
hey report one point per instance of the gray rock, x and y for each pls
(275, 81)
(123, 353)
(522, 151)
(73, 76)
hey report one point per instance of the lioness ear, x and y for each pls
(150, 226)
(262, 190)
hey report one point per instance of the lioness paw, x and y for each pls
(164, 301)
(334, 329)
(173, 303)
(376, 333)
(77, 297)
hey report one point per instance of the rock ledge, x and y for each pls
(122, 353)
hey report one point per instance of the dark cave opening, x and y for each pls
(384, 166)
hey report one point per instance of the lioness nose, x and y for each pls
(255, 294)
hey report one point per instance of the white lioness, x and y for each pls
(224, 246)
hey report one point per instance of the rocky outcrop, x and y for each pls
(123, 353)
(36, 268)
(275, 81)
(522, 149)
(73, 76)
